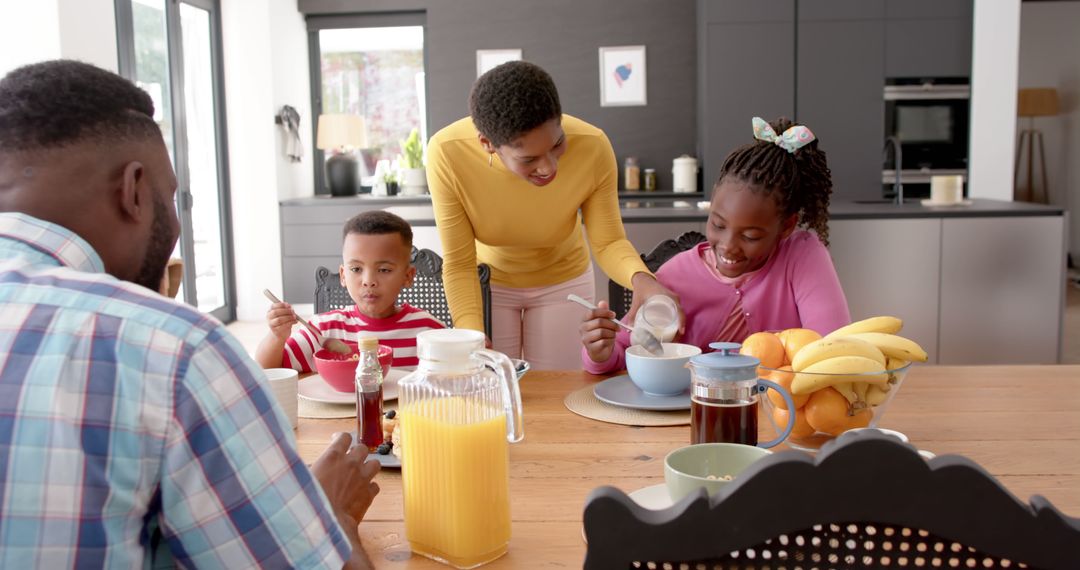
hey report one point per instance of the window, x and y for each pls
(371, 66)
(171, 49)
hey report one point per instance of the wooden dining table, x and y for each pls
(1020, 423)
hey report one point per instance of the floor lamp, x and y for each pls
(1031, 103)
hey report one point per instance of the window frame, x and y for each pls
(316, 23)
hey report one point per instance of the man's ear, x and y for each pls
(132, 183)
(486, 143)
(788, 226)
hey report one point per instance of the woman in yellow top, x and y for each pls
(511, 186)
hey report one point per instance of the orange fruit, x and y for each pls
(783, 377)
(801, 429)
(829, 412)
(794, 340)
(765, 347)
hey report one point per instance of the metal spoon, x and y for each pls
(331, 344)
(637, 336)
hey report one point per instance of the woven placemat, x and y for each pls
(318, 410)
(584, 403)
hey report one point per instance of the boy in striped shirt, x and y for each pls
(375, 268)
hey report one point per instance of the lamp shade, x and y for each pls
(341, 130)
(1037, 102)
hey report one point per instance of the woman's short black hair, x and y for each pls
(56, 103)
(513, 99)
(379, 222)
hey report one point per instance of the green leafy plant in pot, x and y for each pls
(413, 177)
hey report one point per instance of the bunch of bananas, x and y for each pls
(835, 380)
(856, 360)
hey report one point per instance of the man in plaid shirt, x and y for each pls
(134, 431)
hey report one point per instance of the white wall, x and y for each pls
(1049, 46)
(49, 29)
(30, 33)
(88, 32)
(265, 55)
(996, 44)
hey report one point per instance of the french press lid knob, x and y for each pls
(726, 364)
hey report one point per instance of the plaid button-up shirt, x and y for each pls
(134, 431)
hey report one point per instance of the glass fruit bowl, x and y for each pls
(830, 404)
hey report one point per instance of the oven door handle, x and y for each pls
(920, 92)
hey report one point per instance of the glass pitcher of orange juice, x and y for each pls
(458, 411)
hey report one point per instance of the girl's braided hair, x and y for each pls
(799, 182)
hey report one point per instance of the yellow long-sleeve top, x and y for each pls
(531, 236)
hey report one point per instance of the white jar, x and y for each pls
(660, 316)
(684, 173)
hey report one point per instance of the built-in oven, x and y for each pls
(930, 120)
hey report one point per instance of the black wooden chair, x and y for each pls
(866, 501)
(427, 291)
(620, 298)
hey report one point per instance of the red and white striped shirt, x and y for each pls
(398, 332)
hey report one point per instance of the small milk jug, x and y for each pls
(724, 394)
(458, 411)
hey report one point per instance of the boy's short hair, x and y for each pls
(378, 222)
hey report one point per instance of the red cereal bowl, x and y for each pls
(339, 370)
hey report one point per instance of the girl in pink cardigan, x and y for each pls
(757, 271)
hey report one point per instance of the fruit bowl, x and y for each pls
(339, 370)
(840, 402)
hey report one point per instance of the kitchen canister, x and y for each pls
(684, 173)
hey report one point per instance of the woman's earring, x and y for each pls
(491, 156)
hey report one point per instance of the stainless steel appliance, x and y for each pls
(930, 119)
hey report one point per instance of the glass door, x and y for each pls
(172, 50)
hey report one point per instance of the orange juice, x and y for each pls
(456, 480)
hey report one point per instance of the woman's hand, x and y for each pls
(598, 332)
(646, 286)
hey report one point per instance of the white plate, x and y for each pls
(388, 461)
(654, 497)
(621, 391)
(315, 389)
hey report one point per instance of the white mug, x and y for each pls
(282, 383)
(946, 189)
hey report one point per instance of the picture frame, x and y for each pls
(489, 58)
(623, 79)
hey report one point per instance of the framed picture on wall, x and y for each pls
(622, 76)
(489, 58)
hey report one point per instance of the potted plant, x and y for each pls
(390, 179)
(413, 177)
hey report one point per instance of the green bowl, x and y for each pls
(687, 469)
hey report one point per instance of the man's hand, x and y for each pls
(598, 332)
(346, 478)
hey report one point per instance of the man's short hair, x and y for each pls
(379, 222)
(58, 103)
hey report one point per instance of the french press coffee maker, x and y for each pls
(724, 394)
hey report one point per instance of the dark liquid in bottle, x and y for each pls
(369, 418)
(712, 422)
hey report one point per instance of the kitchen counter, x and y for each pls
(655, 211)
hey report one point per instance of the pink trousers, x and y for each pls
(539, 325)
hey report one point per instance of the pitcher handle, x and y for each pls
(511, 393)
(765, 384)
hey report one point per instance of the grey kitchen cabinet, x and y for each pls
(311, 237)
(928, 38)
(1002, 290)
(831, 10)
(746, 68)
(840, 81)
(891, 267)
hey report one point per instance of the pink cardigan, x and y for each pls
(797, 287)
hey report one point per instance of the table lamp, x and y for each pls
(1031, 103)
(340, 135)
